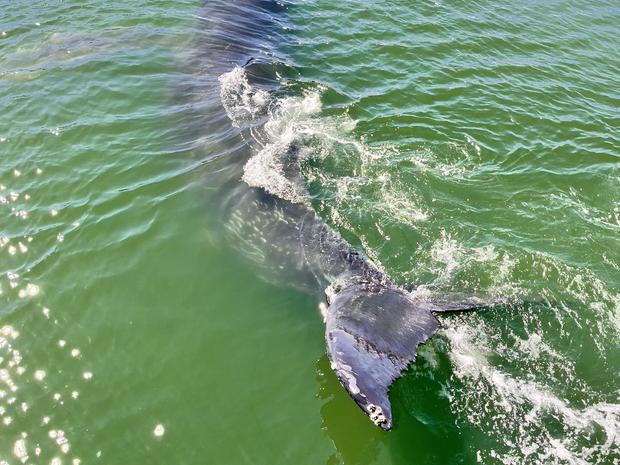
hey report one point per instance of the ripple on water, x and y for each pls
(472, 146)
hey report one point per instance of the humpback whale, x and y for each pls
(372, 326)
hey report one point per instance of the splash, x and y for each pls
(275, 167)
(518, 372)
(291, 133)
(534, 423)
(242, 102)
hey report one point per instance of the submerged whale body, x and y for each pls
(372, 326)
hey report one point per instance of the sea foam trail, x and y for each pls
(524, 408)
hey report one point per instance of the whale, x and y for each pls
(373, 326)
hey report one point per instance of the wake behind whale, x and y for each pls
(372, 326)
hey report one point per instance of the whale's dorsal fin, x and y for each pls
(372, 333)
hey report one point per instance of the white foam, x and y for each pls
(297, 121)
(290, 121)
(517, 408)
(448, 252)
(241, 101)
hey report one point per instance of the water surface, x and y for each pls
(470, 145)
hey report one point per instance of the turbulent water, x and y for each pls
(472, 146)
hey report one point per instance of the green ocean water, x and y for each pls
(473, 146)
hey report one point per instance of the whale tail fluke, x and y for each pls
(372, 333)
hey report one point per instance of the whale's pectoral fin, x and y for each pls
(372, 333)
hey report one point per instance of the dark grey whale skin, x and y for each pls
(373, 327)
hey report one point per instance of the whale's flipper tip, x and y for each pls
(372, 333)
